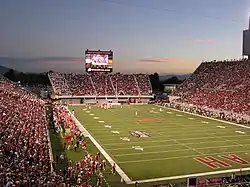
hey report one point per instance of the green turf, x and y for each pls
(174, 143)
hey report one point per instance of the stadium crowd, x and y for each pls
(25, 157)
(218, 86)
(24, 160)
(100, 84)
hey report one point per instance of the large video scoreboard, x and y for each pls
(98, 61)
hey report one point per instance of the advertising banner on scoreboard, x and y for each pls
(98, 61)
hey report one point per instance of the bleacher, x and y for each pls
(101, 84)
(223, 85)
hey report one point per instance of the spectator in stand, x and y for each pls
(25, 160)
(222, 86)
(100, 84)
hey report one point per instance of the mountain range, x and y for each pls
(3, 70)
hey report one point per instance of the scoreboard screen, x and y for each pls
(98, 61)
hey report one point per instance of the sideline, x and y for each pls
(125, 178)
(48, 137)
(219, 120)
(194, 175)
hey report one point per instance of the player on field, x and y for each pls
(104, 164)
(99, 180)
(136, 113)
(113, 169)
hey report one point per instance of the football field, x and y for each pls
(164, 144)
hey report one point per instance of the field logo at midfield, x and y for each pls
(215, 163)
(140, 134)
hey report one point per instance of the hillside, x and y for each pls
(3, 70)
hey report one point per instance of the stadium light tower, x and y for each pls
(249, 21)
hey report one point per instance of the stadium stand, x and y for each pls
(24, 147)
(25, 160)
(144, 84)
(59, 83)
(100, 84)
(222, 85)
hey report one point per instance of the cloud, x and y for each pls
(60, 60)
(205, 41)
(163, 60)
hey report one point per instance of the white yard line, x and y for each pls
(178, 150)
(170, 145)
(173, 135)
(189, 147)
(160, 140)
(180, 157)
(233, 141)
(103, 152)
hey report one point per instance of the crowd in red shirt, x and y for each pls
(25, 159)
(100, 84)
(218, 85)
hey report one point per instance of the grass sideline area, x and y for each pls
(57, 148)
(178, 143)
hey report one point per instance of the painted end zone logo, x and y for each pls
(140, 134)
(215, 163)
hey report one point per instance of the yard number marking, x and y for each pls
(240, 132)
(137, 148)
(125, 139)
(107, 126)
(115, 132)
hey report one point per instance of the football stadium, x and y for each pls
(108, 129)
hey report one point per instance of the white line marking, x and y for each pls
(191, 118)
(87, 111)
(107, 126)
(101, 121)
(240, 132)
(115, 132)
(170, 145)
(91, 114)
(179, 150)
(222, 127)
(204, 122)
(179, 157)
(125, 139)
(137, 148)
(190, 148)
(191, 175)
(96, 117)
(160, 140)
(104, 153)
(231, 123)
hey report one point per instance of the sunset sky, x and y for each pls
(165, 36)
